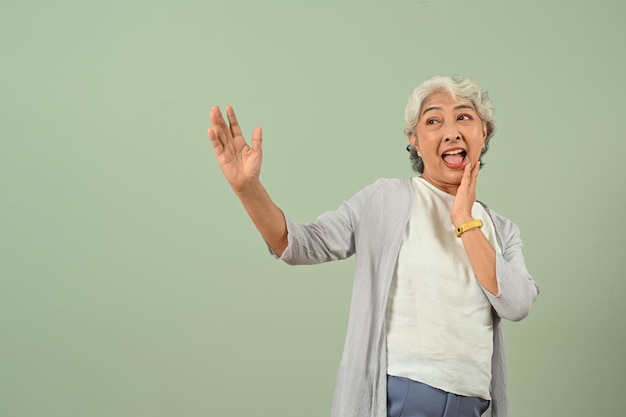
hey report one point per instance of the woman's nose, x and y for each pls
(450, 137)
(451, 132)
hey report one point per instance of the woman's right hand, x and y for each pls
(240, 163)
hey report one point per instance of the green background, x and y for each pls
(132, 282)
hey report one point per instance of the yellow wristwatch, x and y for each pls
(468, 226)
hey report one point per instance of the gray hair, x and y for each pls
(461, 88)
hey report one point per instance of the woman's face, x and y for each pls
(448, 135)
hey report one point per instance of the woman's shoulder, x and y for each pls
(504, 226)
(387, 187)
(383, 193)
(391, 184)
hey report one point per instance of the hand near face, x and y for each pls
(240, 163)
(466, 195)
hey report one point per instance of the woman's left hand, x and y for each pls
(465, 195)
(480, 252)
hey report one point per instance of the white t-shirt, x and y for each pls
(439, 323)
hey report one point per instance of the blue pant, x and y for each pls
(408, 398)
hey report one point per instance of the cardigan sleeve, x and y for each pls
(329, 238)
(334, 234)
(517, 291)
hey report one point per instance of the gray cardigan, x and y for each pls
(371, 225)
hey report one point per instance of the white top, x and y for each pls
(439, 323)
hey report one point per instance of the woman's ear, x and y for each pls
(413, 141)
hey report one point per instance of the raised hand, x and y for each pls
(465, 196)
(240, 163)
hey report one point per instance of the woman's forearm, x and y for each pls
(482, 256)
(266, 216)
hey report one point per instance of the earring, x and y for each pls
(410, 147)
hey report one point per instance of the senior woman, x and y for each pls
(436, 270)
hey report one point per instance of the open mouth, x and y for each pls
(454, 158)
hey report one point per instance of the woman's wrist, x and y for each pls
(248, 188)
(465, 227)
(462, 219)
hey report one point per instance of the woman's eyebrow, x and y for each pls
(431, 108)
(459, 107)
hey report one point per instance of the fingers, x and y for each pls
(475, 170)
(216, 118)
(257, 139)
(470, 173)
(235, 129)
(218, 126)
(467, 174)
(228, 137)
(219, 123)
(217, 144)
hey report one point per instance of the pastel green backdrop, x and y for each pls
(133, 284)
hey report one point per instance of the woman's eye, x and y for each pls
(431, 121)
(465, 117)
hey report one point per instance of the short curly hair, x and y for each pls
(461, 88)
